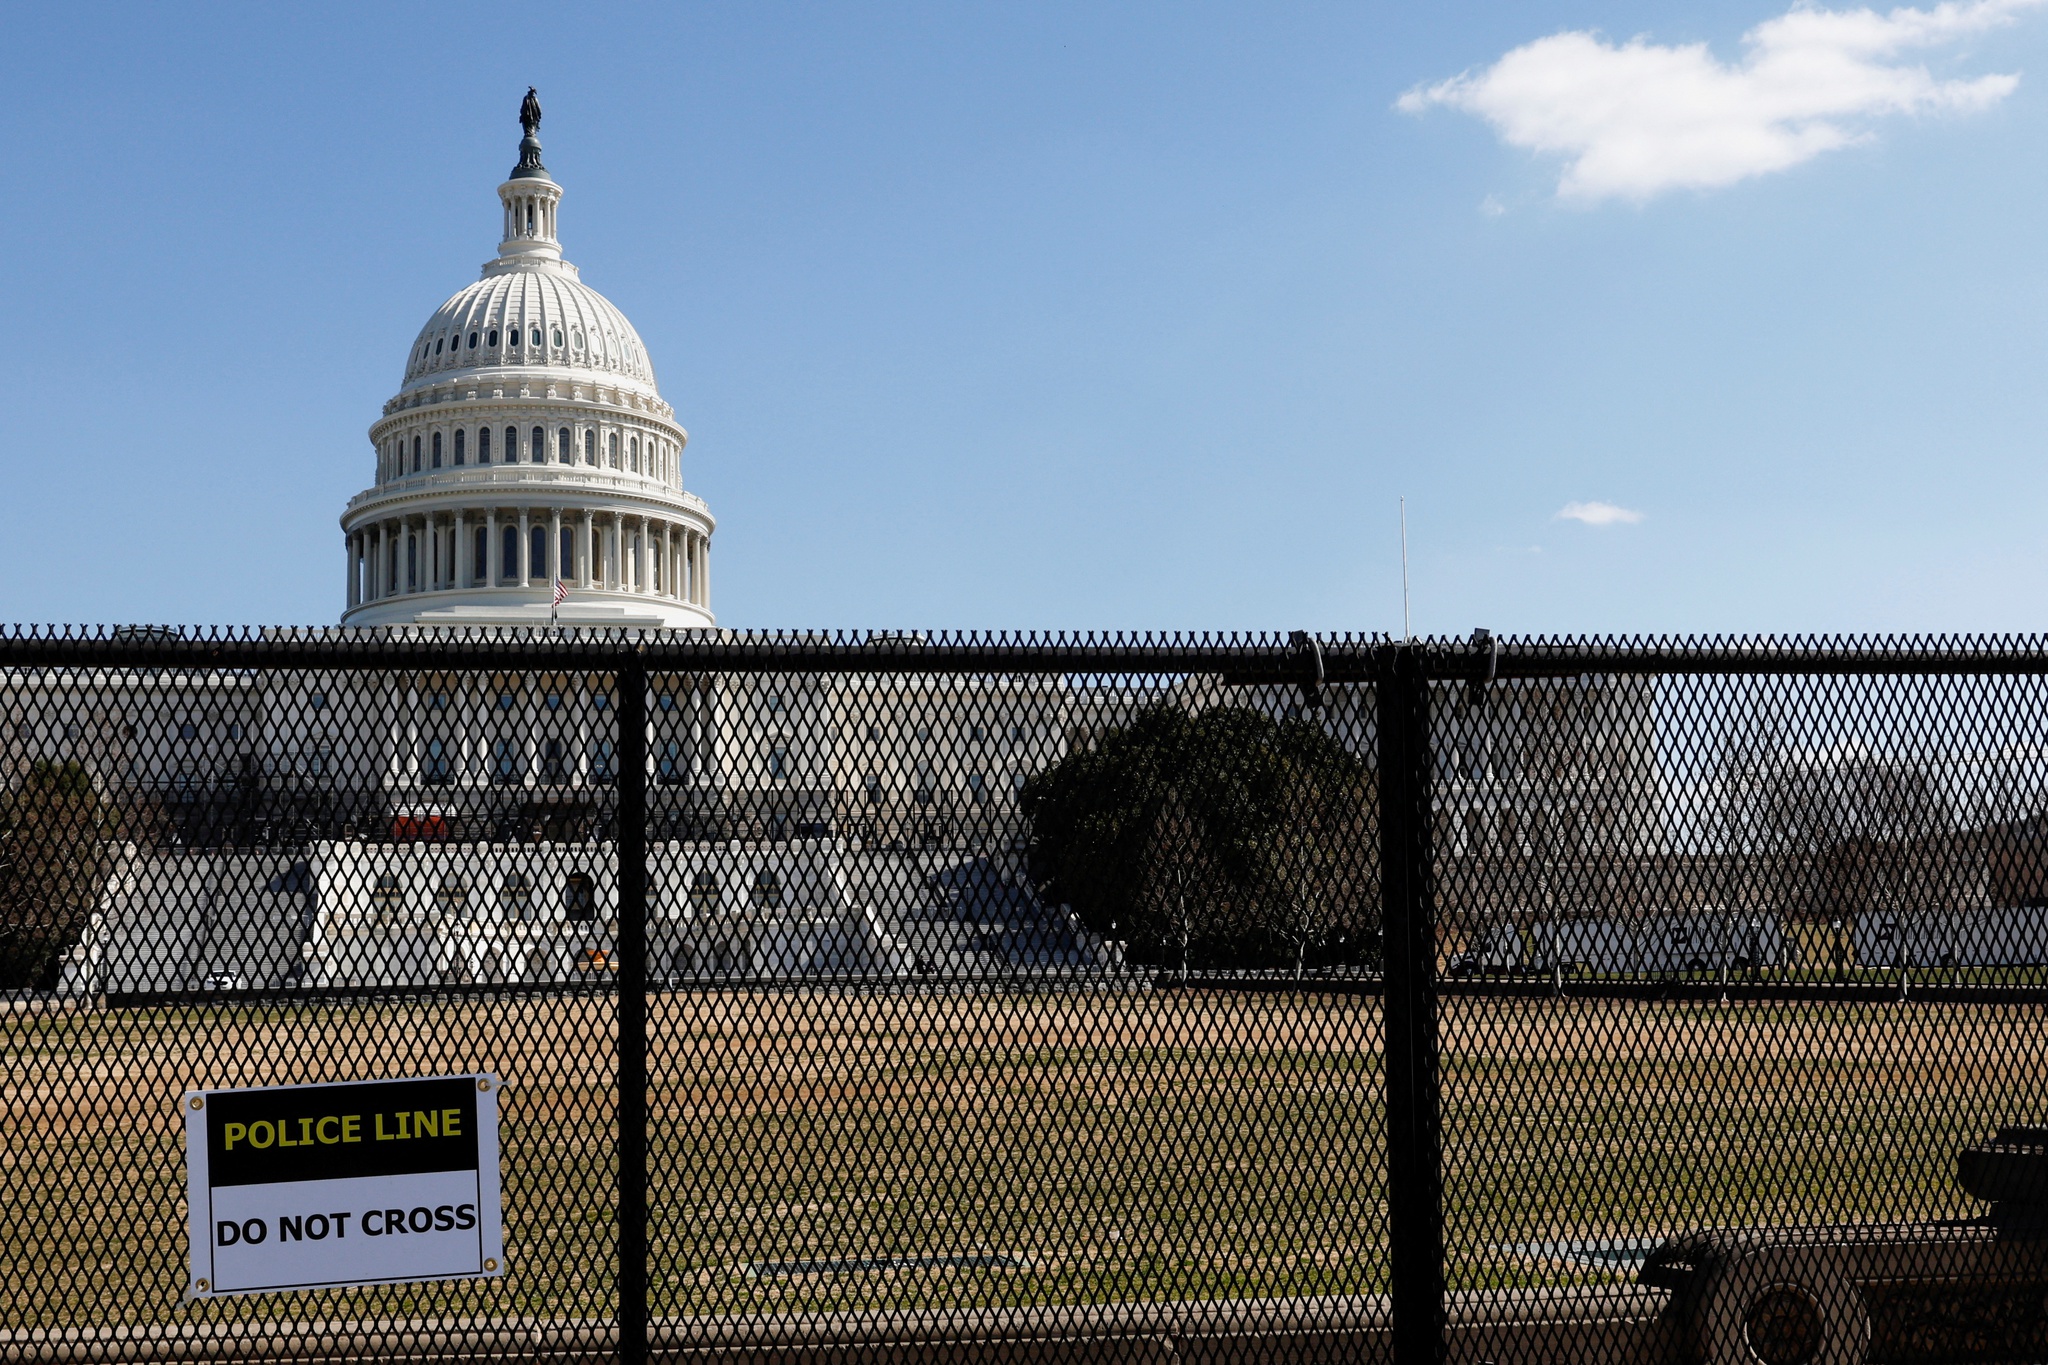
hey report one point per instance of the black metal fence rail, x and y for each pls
(1007, 977)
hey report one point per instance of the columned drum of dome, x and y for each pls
(528, 445)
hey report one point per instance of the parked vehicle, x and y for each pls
(2010, 936)
(1495, 949)
(1661, 943)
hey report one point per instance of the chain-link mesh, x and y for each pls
(1741, 952)
(991, 988)
(1243, 999)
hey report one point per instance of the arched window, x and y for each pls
(483, 445)
(509, 569)
(536, 337)
(567, 553)
(512, 446)
(563, 450)
(416, 450)
(590, 447)
(412, 563)
(558, 338)
(614, 452)
(458, 445)
(515, 897)
(472, 341)
(579, 898)
(539, 551)
(438, 342)
(492, 340)
(480, 571)
(539, 453)
(633, 454)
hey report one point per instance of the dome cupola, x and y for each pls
(530, 198)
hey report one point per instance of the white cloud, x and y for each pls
(1636, 119)
(1492, 207)
(1598, 514)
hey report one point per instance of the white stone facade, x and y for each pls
(528, 445)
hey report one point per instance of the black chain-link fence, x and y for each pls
(1267, 998)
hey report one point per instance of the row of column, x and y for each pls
(613, 551)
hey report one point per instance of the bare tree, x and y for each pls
(53, 861)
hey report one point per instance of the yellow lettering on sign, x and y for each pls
(261, 1134)
(426, 1123)
(236, 1132)
(284, 1134)
(383, 1136)
(451, 1123)
(305, 1132)
(351, 1125)
(324, 1139)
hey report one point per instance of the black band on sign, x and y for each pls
(335, 1132)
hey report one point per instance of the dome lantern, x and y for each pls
(530, 198)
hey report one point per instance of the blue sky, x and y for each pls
(1135, 317)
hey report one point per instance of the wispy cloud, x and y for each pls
(1598, 514)
(1635, 119)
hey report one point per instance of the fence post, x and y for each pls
(1415, 1204)
(632, 985)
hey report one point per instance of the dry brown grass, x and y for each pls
(1122, 1145)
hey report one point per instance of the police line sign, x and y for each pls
(319, 1186)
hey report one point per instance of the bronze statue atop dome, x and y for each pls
(529, 167)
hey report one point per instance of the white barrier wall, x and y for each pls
(347, 914)
(175, 921)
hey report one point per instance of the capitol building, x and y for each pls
(528, 445)
(344, 828)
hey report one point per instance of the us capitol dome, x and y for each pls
(527, 448)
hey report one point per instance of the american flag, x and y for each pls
(561, 592)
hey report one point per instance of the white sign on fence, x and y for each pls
(366, 1182)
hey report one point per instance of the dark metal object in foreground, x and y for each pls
(2011, 1173)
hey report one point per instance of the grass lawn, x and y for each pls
(1056, 1147)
